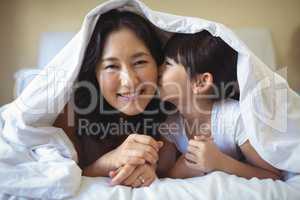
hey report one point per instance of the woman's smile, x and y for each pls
(130, 96)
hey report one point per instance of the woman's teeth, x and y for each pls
(129, 96)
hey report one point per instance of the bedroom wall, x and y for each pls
(22, 22)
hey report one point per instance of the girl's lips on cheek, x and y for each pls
(160, 82)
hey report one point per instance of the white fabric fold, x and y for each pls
(37, 160)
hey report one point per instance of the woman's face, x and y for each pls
(127, 72)
(173, 82)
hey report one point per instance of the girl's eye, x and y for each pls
(141, 62)
(167, 63)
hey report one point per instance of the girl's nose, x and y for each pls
(161, 70)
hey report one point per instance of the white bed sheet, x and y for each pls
(217, 185)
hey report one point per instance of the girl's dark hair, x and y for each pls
(107, 23)
(201, 52)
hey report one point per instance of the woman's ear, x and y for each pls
(202, 83)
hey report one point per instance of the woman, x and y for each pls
(117, 86)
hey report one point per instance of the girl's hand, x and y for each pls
(134, 176)
(136, 150)
(203, 154)
(182, 170)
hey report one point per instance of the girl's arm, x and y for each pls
(206, 156)
(167, 158)
(260, 168)
(170, 166)
(182, 170)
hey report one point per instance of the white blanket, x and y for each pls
(217, 185)
(37, 160)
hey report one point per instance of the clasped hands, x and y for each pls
(135, 161)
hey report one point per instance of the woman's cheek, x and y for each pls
(149, 74)
(155, 73)
(109, 82)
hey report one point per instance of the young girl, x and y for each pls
(199, 78)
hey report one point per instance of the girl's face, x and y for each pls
(127, 72)
(173, 82)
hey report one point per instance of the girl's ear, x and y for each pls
(202, 83)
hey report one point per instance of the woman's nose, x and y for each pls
(129, 78)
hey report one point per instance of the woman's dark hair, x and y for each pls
(107, 23)
(201, 52)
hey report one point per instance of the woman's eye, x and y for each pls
(140, 62)
(111, 67)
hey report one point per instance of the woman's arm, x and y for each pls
(101, 167)
(136, 149)
(65, 120)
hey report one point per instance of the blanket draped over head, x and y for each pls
(38, 160)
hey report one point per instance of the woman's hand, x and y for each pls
(134, 176)
(136, 150)
(203, 154)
